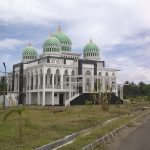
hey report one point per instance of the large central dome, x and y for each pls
(65, 41)
(52, 44)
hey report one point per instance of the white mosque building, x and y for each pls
(58, 76)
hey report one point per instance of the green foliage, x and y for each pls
(89, 104)
(133, 90)
(41, 126)
(98, 132)
(18, 111)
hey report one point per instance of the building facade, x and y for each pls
(58, 75)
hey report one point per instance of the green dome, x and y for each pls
(29, 53)
(52, 44)
(91, 50)
(64, 40)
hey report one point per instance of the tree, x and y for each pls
(138, 91)
(105, 98)
(18, 111)
(102, 98)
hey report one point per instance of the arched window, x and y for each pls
(88, 72)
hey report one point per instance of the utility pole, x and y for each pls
(4, 86)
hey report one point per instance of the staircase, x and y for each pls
(12, 100)
(82, 98)
(67, 102)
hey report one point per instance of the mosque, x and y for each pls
(59, 76)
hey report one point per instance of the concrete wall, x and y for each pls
(48, 98)
(56, 99)
(34, 98)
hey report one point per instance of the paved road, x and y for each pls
(138, 139)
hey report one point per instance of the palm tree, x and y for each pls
(18, 111)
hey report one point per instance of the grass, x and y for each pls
(82, 141)
(42, 125)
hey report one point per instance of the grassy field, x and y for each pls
(42, 125)
(84, 140)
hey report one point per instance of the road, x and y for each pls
(135, 139)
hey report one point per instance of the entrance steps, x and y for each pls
(12, 100)
(67, 102)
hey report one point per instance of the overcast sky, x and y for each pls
(121, 29)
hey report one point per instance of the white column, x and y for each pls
(53, 88)
(103, 83)
(29, 98)
(61, 81)
(43, 90)
(116, 90)
(69, 86)
(83, 84)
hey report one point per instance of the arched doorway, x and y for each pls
(87, 81)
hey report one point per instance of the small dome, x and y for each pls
(91, 50)
(51, 44)
(29, 53)
(64, 40)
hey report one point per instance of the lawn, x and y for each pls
(84, 140)
(42, 125)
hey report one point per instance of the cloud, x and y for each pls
(131, 57)
(121, 28)
(10, 52)
(134, 74)
(10, 44)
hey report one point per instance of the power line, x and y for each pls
(137, 67)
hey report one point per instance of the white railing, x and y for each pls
(48, 86)
(65, 86)
(67, 102)
(57, 86)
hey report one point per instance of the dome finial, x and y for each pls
(59, 29)
(29, 44)
(91, 40)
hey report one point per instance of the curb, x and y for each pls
(68, 138)
(109, 136)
